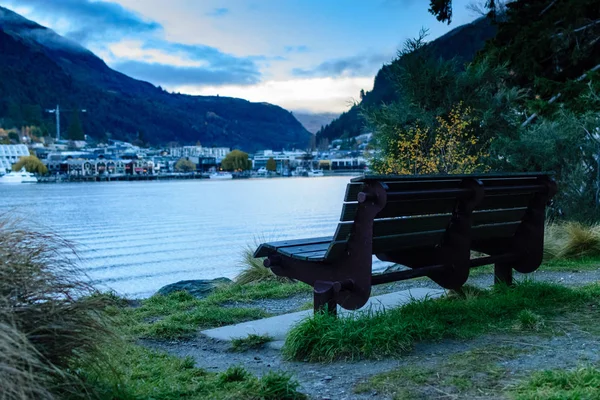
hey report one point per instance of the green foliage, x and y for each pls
(580, 383)
(237, 160)
(250, 342)
(75, 130)
(271, 165)
(132, 372)
(185, 165)
(32, 164)
(393, 332)
(180, 315)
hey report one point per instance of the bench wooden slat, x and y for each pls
(504, 201)
(267, 248)
(390, 178)
(290, 251)
(311, 256)
(404, 208)
(490, 231)
(396, 226)
(352, 191)
(386, 227)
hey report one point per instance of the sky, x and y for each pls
(304, 55)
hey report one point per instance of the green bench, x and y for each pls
(431, 224)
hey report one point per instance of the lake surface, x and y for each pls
(135, 237)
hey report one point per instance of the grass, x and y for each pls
(581, 383)
(60, 339)
(473, 373)
(179, 315)
(572, 240)
(394, 332)
(253, 270)
(250, 342)
(45, 322)
(133, 372)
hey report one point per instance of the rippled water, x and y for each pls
(135, 237)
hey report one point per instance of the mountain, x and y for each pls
(314, 122)
(462, 43)
(39, 69)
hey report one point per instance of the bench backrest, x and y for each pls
(419, 209)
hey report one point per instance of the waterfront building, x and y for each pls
(10, 154)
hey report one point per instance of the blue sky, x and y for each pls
(310, 55)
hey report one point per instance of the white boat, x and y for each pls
(220, 175)
(18, 177)
(315, 172)
(300, 171)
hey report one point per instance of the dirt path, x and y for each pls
(568, 345)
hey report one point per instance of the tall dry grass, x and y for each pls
(570, 240)
(253, 270)
(48, 319)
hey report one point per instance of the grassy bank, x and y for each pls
(180, 315)
(60, 340)
(393, 332)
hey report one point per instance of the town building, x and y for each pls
(10, 154)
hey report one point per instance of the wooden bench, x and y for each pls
(428, 223)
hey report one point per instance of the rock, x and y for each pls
(199, 288)
(394, 268)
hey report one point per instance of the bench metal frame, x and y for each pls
(342, 276)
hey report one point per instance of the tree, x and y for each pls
(75, 130)
(442, 9)
(271, 165)
(185, 165)
(236, 160)
(452, 148)
(32, 164)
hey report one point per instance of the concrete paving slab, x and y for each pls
(277, 327)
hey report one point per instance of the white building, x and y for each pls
(10, 154)
(199, 151)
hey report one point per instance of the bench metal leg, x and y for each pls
(324, 297)
(503, 274)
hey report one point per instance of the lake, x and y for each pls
(135, 237)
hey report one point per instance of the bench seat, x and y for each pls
(428, 223)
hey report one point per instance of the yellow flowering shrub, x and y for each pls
(451, 148)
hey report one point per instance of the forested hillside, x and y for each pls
(40, 69)
(461, 43)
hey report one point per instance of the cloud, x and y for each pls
(167, 63)
(135, 46)
(218, 12)
(165, 74)
(349, 66)
(89, 20)
(306, 94)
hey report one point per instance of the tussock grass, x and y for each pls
(393, 332)
(581, 383)
(253, 270)
(572, 240)
(47, 320)
(252, 341)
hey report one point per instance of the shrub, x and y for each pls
(581, 240)
(44, 309)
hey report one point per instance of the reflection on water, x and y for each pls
(135, 237)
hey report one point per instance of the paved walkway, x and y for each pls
(277, 327)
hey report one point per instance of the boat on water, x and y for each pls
(315, 172)
(220, 175)
(18, 177)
